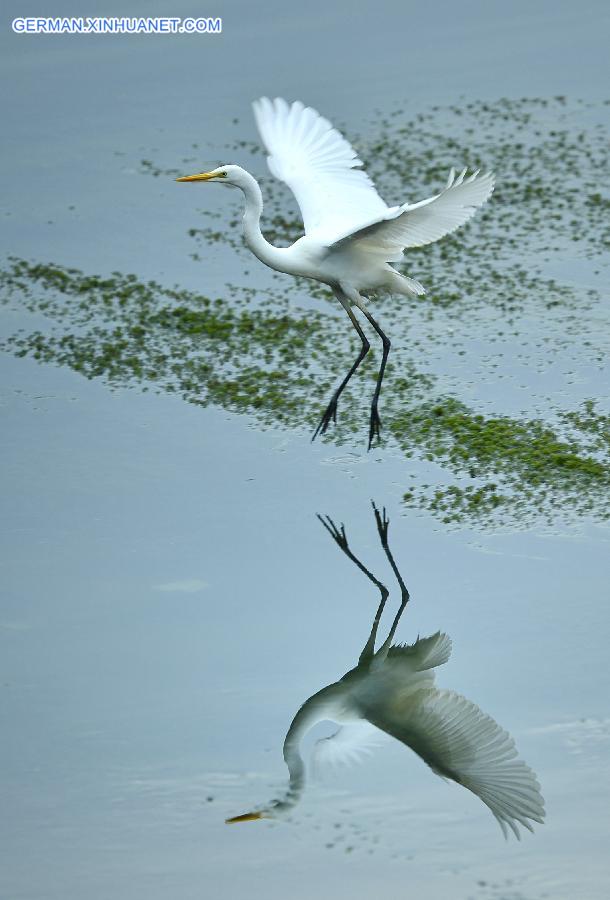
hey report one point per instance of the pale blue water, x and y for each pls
(170, 599)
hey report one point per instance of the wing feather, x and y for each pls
(459, 741)
(319, 166)
(417, 224)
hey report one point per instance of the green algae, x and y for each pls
(186, 343)
(531, 464)
(594, 424)
(451, 432)
(271, 363)
(456, 504)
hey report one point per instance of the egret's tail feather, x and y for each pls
(409, 287)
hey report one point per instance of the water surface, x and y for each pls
(170, 598)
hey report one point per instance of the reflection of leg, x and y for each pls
(375, 424)
(330, 414)
(382, 527)
(340, 538)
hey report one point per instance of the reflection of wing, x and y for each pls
(320, 168)
(348, 745)
(416, 224)
(459, 741)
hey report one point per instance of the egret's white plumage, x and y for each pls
(392, 691)
(321, 169)
(351, 234)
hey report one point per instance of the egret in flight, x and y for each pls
(392, 690)
(351, 235)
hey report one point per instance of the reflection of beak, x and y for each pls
(205, 176)
(246, 817)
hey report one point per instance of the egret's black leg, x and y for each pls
(340, 538)
(375, 425)
(382, 527)
(330, 413)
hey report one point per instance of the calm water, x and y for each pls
(170, 598)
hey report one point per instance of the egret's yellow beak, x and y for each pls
(246, 817)
(205, 176)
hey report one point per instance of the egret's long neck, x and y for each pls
(261, 248)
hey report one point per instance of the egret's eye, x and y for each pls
(222, 174)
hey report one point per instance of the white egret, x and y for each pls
(351, 235)
(392, 690)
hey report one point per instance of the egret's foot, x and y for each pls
(375, 427)
(337, 533)
(383, 522)
(330, 415)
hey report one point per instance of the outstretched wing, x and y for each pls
(320, 168)
(416, 224)
(459, 741)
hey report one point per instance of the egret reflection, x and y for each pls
(392, 690)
